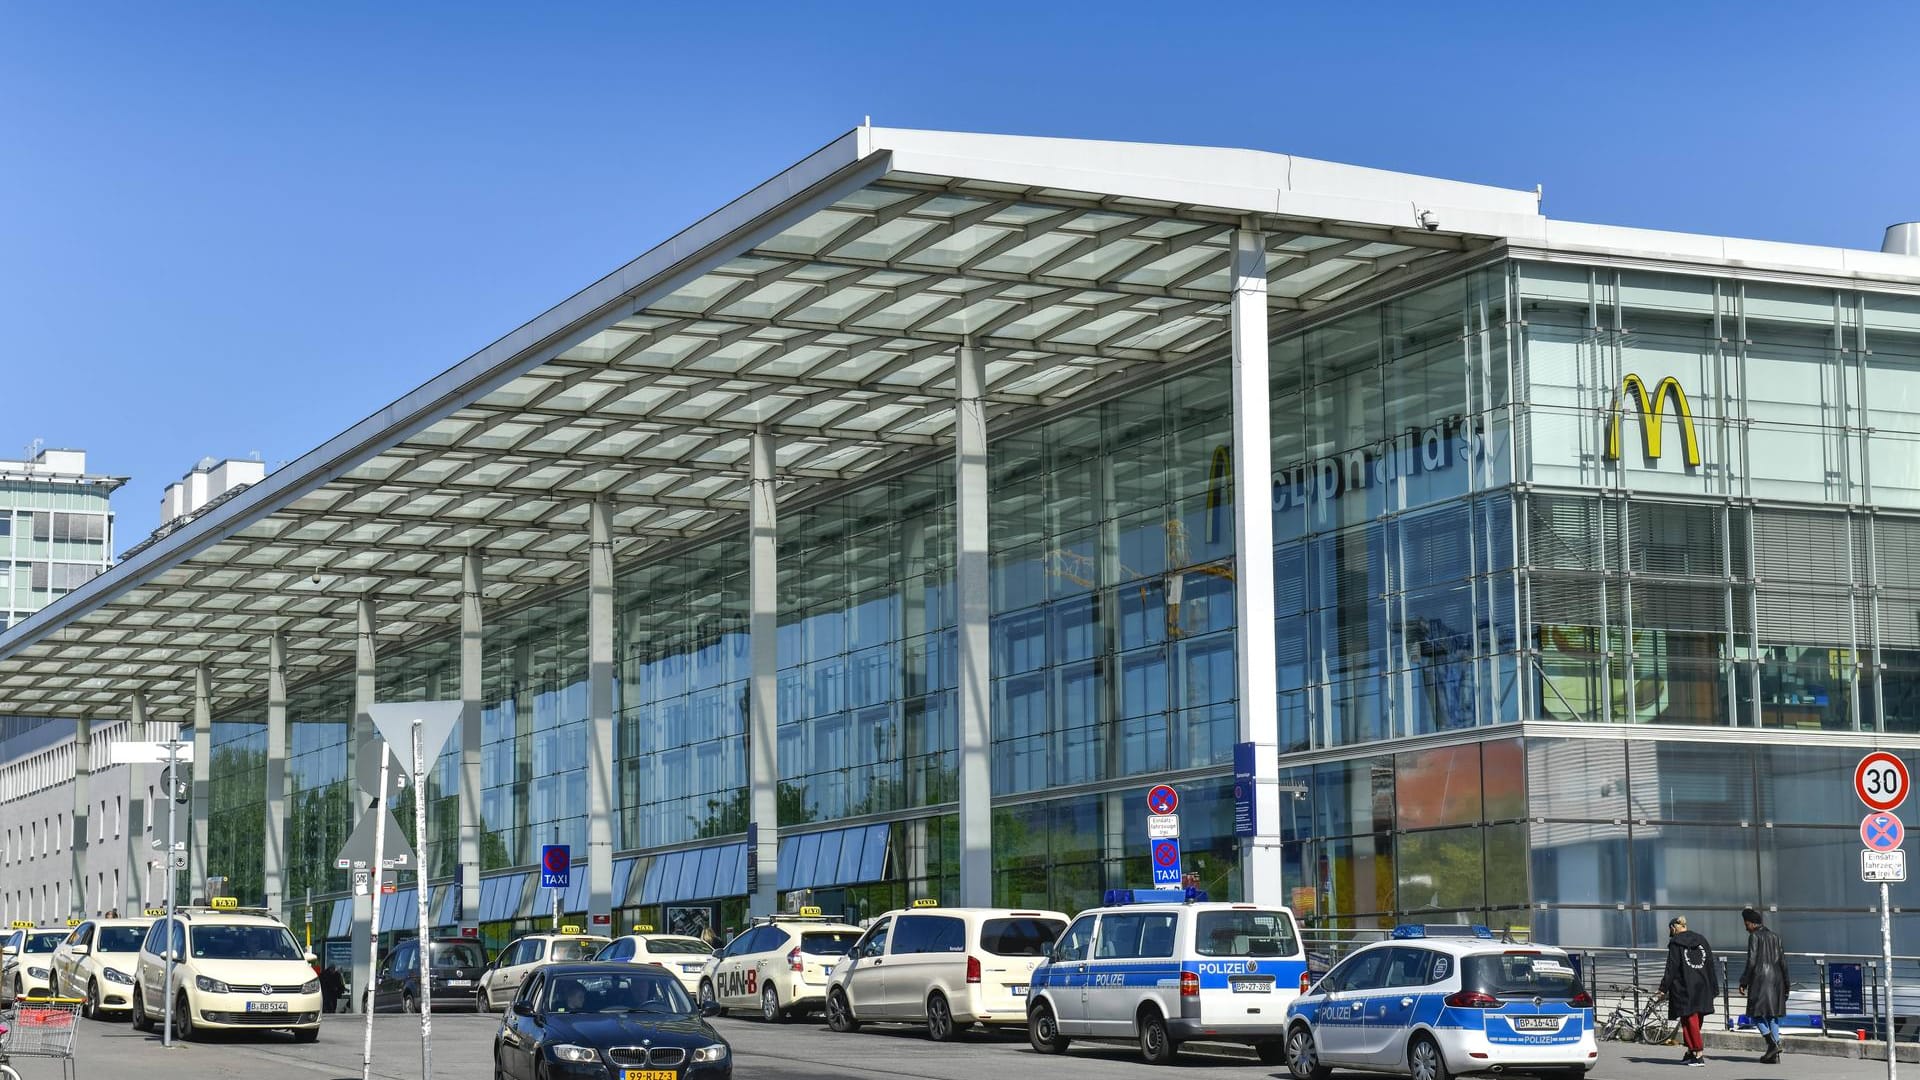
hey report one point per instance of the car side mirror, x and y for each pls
(7, 951)
(77, 950)
(521, 1008)
(174, 955)
(309, 957)
(710, 1008)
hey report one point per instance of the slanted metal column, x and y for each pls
(600, 716)
(358, 733)
(201, 859)
(82, 793)
(970, 586)
(274, 863)
(470, 731)
(763, 710)
(1253, 566)
(134, 880)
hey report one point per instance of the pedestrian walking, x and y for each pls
(1689, 985)
(332, 988)
(1764, 982)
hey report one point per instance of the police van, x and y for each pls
(1162, 967)
(1439, 1001)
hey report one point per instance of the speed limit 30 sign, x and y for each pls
(1881, 780)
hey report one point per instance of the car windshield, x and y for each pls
(1244, 933)
(244, 943)
(828, 943)
(458, 954)
(43, 943)
(121, 938)
(1023, 936)
(687, 946)
(1520, 974)
(577, 948)
(612, 993)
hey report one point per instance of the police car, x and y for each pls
(1439, 1001)
(1160, 967)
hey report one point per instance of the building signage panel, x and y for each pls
(1883, 866)
(1846, 990)
(1653, 417)
(1245, 819)
(1163, 826)
(1410, 453)
(1166, 862)
(556, 866)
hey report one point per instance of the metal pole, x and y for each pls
(173, 785)
(556, 892)
(420, 894)
(1886, 976)
(373, 930)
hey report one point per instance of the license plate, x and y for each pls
(459, 982)
(1020, 991)
(1536, 1023)
(266, 1006)
(648, 1074)
(1250, 986)
(691, 968)
(827, 971)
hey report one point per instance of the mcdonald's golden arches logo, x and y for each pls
(1652, 417)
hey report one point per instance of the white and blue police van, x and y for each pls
(1162, 967)
(1434, 1002)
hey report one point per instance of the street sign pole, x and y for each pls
(1881, 782)
(373, 936)
(1886, 976)
(420, 895)
(173, 782)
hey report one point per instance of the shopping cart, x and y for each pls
(39, 1027)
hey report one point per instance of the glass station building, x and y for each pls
(1557, 574)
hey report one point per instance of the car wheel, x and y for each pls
(709, 999)
(306, 1035)
(141, 1021)
(770, 1010)
(480, 1003)
(1425, 1061)
(1271, 1051)
(183, 1029)
(839, 1012)
(91, 1008)
(940, 1026)
(1156, 1043)
(1303, 1058)
(1043, 1031)
(498, 1072)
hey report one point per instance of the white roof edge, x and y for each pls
(1581, 238)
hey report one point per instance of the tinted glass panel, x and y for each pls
(1520, 975)
(1409, 967)
(576, 948)
(458, 954)
(677, 946)
(619, 993)
(829, 942)
(244, 943)
(1244, 933)
(1073, 944)
(1147, 934)
(1369, 971)
(45, 943)
(1020, 936)
(119, 939)
(929, 934)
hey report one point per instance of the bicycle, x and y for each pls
(1643, 1024)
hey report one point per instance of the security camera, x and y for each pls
(316, 579)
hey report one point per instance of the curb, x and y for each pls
(1810, 1045)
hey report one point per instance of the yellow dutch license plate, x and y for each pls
(648, 1074)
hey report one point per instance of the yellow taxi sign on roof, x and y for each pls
(73, 922)
(155, 911)
(20, 924)
(926, 901)
(810, 911)
(643, 928)
(221, 903)
(569, 929)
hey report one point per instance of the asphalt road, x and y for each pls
(797, 1051)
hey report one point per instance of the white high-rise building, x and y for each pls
(56, 529)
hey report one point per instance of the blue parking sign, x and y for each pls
(556, 866)
(1166, 862)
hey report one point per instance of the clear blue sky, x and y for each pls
(235, 228)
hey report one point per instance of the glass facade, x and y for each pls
(1546, 537)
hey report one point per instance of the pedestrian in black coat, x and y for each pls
(1764, 982)
(1691, 982)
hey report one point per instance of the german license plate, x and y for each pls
(266, 1006)
(691, 968)
(827, 971)
(459, 982)
(1020, 990)
(1250, 986)
(1536, 1023)
(648, 1074)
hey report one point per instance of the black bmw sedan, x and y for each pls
(607, 1022)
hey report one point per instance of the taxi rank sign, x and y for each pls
(1163, 835)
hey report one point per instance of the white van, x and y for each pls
(1163, 973)
(947, 968)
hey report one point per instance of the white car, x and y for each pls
(946, 968)
(232, 968)
(95, 964)
(1440, 1001)
(1162, 972)
(780, 965)
(684, 957)
(26, 960)
(500, 983)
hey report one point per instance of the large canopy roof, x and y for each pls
(824, 307)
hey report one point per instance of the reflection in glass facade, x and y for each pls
(1564, 555)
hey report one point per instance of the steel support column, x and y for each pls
(201, 860)
(82, 794)
(359, 733)
(273, 864)
(470, 732)
(139, 814)
(1253, 546)
(763, 732)
(970, 585)
(600, 808)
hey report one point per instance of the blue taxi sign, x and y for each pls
(556, 866)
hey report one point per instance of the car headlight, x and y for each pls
(716, 1052)
(115, 975)
(38, 973)
(569, 1052)
(311, 986)
(211, 986)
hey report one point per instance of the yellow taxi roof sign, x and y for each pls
(643, 928)
(926, 901)
(223, 902)
(569, 929)
(20, 924)
(810, 911)
(73, 922)
(155, 911)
